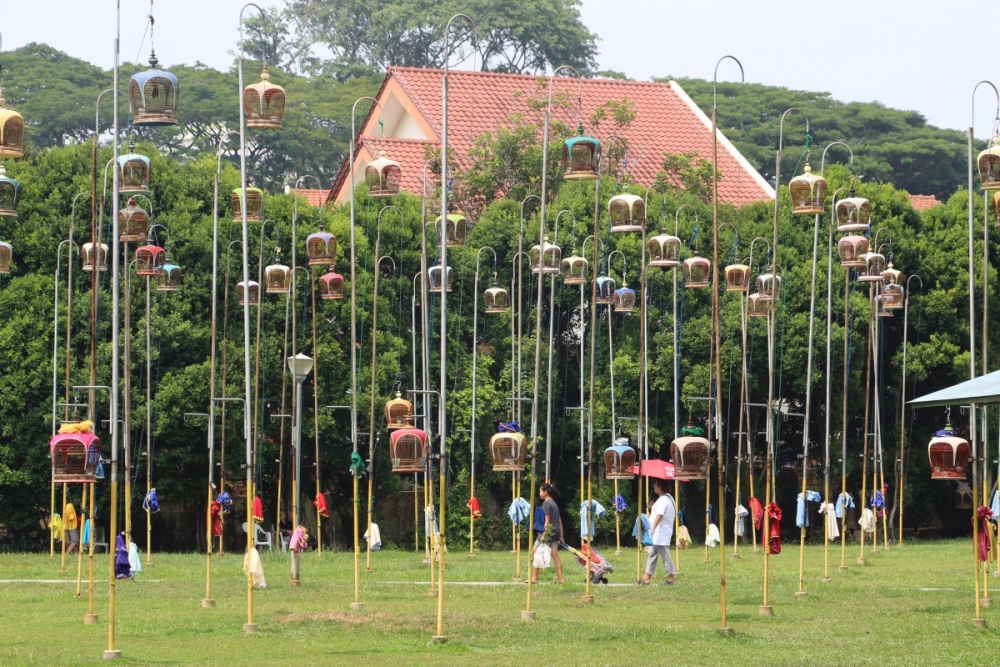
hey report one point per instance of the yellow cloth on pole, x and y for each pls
(69, 517)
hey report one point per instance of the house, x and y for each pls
(666, 121)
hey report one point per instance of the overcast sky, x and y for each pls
(924, 55)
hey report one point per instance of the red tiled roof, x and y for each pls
(666, 121)
(312, 197)
(923, 202)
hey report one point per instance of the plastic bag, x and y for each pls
(543, 556)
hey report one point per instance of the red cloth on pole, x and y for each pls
(473, 506)
(757, 512)
(216, 519)
(774, 540)
(258, 510)
(984, 514)
(320, 504)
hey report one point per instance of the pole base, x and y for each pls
(726, 630)
(294, 582)
(112, 655)
(618, 552)
(825, 580)
(432, 592)
(587, 599)
(208, 603)
(357, 606)
(843, 568)
(472, 555)
(766, 610)
(874, 552)
(800, 594)
(986, 603)
(250, 628)
(527, 616)
(995, 574)
(440, 639)
(734, 556)
(63, 570)
(89, 619)
(705, 561)
(517, 580)
(862, 560)
(979, 622)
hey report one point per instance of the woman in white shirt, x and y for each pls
(662, 527)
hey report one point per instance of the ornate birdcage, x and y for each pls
(892, 275)
(737, 278)
(149, 260)
(808, 192)
(697, 271)
(892, 296)
(606, 287)
(398, 413)
(881, 310)
(623, 299)
(457, 229)
(383, 176)
(133, 223)
(321, 248)
(627, 213)
(496, 299)
(94, 257)
(133, 173)
(854, 214)
(756, 306)
(254, 293)
(331, 286)
(170, 278)
(153, 96)
(6, 257)
(852, 250)
(664, 251)
(989, 165)
(873, 269)
(10, 194)
(769, 287)
(277, 279)
(574, 270)
(264, 103)
(508, 451)
(545, 258)
(581, 156)
(619, 460)
(949, 454)
(75, 457)
(437, 277)
(691, 457)
(11, 131)
(255, 204)
(408, 450)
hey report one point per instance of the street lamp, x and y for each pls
(299, 366)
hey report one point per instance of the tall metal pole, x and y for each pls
(472, 426)
(902, 411)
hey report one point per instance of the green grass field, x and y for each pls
(911, 605)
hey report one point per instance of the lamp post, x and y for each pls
(472, 427)
(55, 373)
(765, 608)
(902, 403)
(299, 366)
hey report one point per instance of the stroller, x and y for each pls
(591, 558)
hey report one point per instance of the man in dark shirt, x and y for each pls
(553, 533)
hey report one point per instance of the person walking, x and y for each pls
(552, 534)
(662, 528)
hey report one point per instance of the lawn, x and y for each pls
(911, 605)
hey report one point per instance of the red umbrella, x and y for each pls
(654, 468)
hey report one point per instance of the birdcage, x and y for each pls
(737, 278)
(581, 157)
(606, 287)
(627, 213)
(545, 258)
(892, 275)
(575, 270)
(398, 413)
(697, 271)
(264, 103)
(691, 457)
(255, 205)
(6, 257)
(618, 462)
(808, 192)
(277, 279)
(496, 299)
(170, 278)
(133, 223)
(331, 286)
(254, 293)
(949, 454)
(10, 194)
(508, 451)
(383, 176)
(133, 173)
(664, 251)
(149, 260)
(321, 248)
(873, 269)
(881, 310)
(94, 256)
(11, 131)
(75, 457)
(438, 277)
(854, 214)
(623, 299)
(408, 450)
(892, 296)
(153, 96)
(456, 229)
(852, 250)
(989, 165)
(769, 287)
(757, 306)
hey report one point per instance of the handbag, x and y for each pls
(543, 556)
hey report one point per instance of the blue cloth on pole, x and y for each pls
(151, 503)
(995, 506)
(586, 518)
(801, 511)
(647, 535)
(539, 523)
(518, 510)
(844, 501)
(620, 504)
(877, 501)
